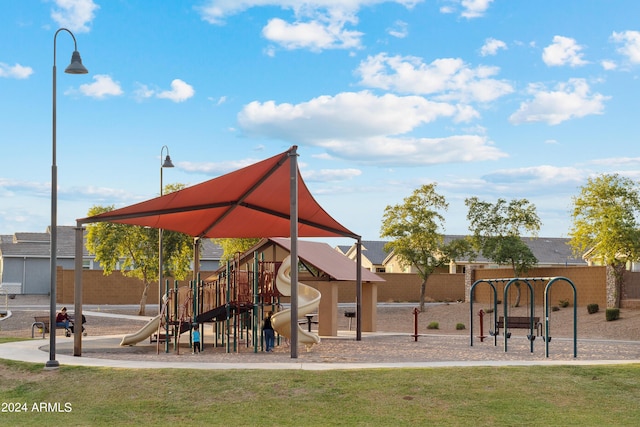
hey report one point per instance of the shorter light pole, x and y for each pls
(163, 164)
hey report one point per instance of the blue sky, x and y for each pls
(487, 98)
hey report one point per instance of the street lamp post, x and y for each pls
(163, 164)
(75, 67)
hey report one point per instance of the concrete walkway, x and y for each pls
(36, 351)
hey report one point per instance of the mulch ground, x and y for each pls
(393, 342)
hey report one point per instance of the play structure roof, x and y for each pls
(250, 202)
(325, 258)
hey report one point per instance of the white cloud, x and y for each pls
(318, 24)
(76, 15)
(366, 128)
(143, 92)
(474, 8)
(180, 91)
(15, 72)
(215, 11)
(215, 168)
(568, 101)
(399, 30)
(346, 115)
(563, 51)
(608, 65)
(491, 47)
(102, 87)
(538, 175)
(314, 35)
(447, 78)
(630, 41)
(330, 175)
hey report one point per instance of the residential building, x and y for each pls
(25, 265)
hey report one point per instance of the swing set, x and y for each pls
(530, 321)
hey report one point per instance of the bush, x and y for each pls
(433, 325)
(555, 308)
(612, 314)
(564, 303)
(592, 308)
(460, 326)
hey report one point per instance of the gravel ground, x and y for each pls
(393, 342)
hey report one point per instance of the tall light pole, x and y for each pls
(163, 164)
(75, 67)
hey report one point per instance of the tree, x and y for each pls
(134, 250)
(605, 222)
(497, 231)
(230, 247)
(415, 228)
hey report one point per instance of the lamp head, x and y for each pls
(167, 162)
(76, 66)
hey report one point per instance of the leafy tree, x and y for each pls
(231, 247)
(134, 250)
(415, 228)
(605, 222)
(497, 231)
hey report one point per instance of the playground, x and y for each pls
(392, 345)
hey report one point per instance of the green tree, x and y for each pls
(231, 247)
(134, 250)
(415, 229)
(605, 223)
(497, 229)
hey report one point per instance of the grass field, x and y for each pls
(474, 396)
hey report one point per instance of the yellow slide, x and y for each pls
(308, 301)
(144, 333)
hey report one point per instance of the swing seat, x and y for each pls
(531, 337)
(547, 339)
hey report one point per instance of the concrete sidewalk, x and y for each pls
(36, 351)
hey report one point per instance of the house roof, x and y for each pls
(250, 202)
(37, 245)
(547, 250)
(325, 258)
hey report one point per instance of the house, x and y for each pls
(25, 261)
(550, 252)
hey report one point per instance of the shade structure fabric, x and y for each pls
(254, 201)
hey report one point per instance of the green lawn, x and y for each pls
(540, 396)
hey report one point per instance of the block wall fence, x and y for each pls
(592, 285)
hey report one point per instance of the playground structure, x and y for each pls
(234, 304)
(309, 299)
(530, 282)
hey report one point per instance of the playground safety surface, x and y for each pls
(598, 342)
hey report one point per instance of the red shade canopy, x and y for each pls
(251, 202)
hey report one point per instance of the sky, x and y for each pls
(486, 98)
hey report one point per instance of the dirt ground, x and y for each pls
(394, 340)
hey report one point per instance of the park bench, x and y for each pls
(520, 322)
(42, 322)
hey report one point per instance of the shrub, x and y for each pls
(592, 308)
(555, 308)
(433, 325)
(489, 310)
(564, 303)
(612, 314)
(460, 326)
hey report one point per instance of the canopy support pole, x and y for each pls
(293, 220)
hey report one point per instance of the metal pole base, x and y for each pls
(51, 365)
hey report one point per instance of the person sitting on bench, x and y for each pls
(62, 320)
